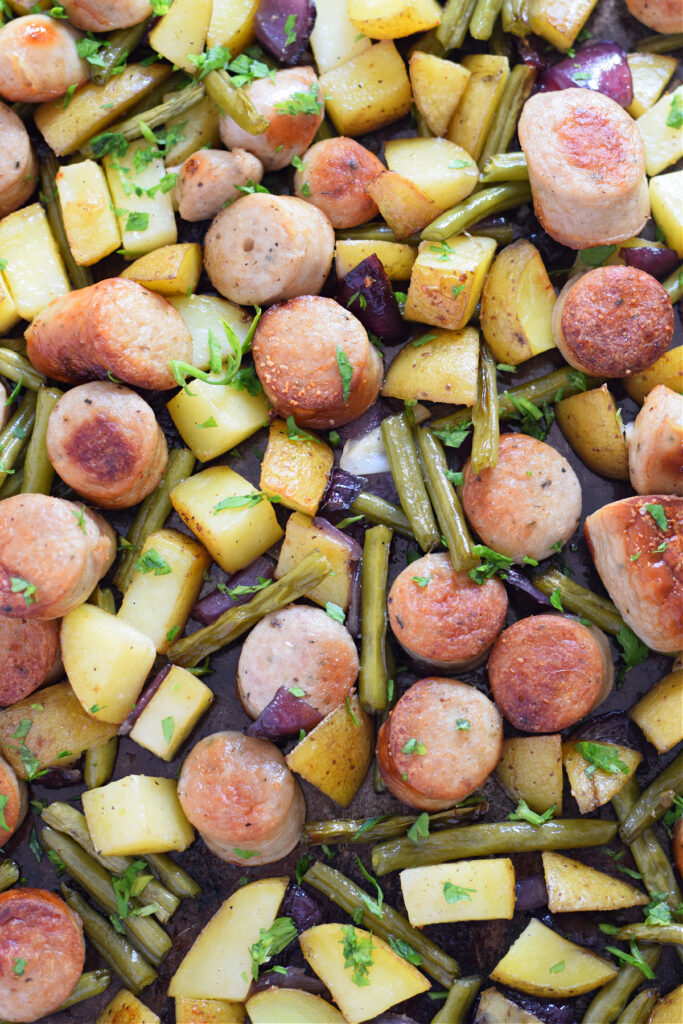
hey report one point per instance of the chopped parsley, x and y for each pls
(294, 433)
(453, 437)
(602, 756)
(271, 941)
(345, 372)
(19, 966)
(414, 746)
(242, 589)
(168, 728)
(357, 955)
(419, 829)
(218, 374)
(454, 893)
(405, 950)
(18, 585)
(4, 800)
(658, 514)
(674, 119)
(151, 561)
(422, 581)
(80, 517)
(635, 958)
(290, 29)
(301, 102)
(523, 812)
(335, 612)
(597, 255)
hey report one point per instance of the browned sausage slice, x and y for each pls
(28, 651)
(665, 16)
(18, 164)
(240, 795)
(105, 15)
(333, 177)
(52, 553)
(42, 953)
(13, 801)
(39, 59)
(441, 741)
(209, 179)
(449, 621)
(655, 446)
(105, 442)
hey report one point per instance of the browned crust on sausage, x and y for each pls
(333, 178)
(28, 648)
(545, 673)
(18, 164)
(665, 16)
(38, 59)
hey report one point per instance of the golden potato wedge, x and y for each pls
(650, 73)
(663, 141)
(590, 423)
(495, 1008)
(447, 280)
(441, 170)
(597, 788)
(368, 91)
(517, 305)
(659, 713)
(393, 19)
(396, 258)
(404, 206)
(304, 535)
(335, 39)
(530, 768)
(172, 713)
(127, 1007)
(468, 890)
(558, 21)
(296, 467)
(438, 366)
(336, 755)
(182, 31)
(203, 314)
(438, 86)
(214, 418)
(473, 115)
(35, 273)
(208, 1011)
(147, 218)
(573, 886)
(92, 230)
(199, 131)
(665, 200)
(169, 270)
(667, 370)
(135, 815)
(668, 1009)
(232, 25)
(291, 1006)
(9, 314)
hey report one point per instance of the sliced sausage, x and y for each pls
(13, 801)
(641, 565)
(586, 167)
(52, 553)
(665, 16)
(105, 15)
(105, 442)
(547, 672)
(39, 59)
(442, 617)
(293, 103)
(303, 649)
(115, 326)
(208, 180)
(527, 503)
(18, 164)
(655, 446)
(242, 798)
(265, 248)
(441, 741)
(613, 321)
(28, 651)
(333, 177)
(315, 362)
(42, 953)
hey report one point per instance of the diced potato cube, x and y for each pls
(667, 207)
(469, 890)
(125, 1007)
(9, 314)
(597, 788)
(473, 115)
(668, 1009)
(530, 768)
(404, 206)
(232, 25)
(447, 280)
(216, 417)
(438, 86)
(495, 1008)
(334, 38)
(234, 521)
(198, 131)
(439, 366)
(170, 270)
(650, 73)
(147, 221)
(589, 416)
(575, 886)
(159, 604)
(304, 535)
(182, 31)
(284, 1005)
(136, 815)
(396, 258)
(203, 315)
(660, 130)
(441, 170)
(296, 467)
(659, 713)
(393, 19)
(35, 273)
(368, 91)
(91, 227)
(668, 369)
(172, 713)
(559, 21)
(208, 1011)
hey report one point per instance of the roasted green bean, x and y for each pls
(405, 469)
(515, 17)
(16, 434)
(610, 1000)
(462, 994)
(373, 676)
(482, 21)
(638, 1010)
(673, 285)
(89, 985)
(16, 367)
(651, 861)
(103, 597)
(80, 277)
(515, 94)
(503, 233)
(373, 232)
(130, 965)
(421, 126)
(122, 42)
(16, 345)
(575, 598)
(9, 874)
(428, 43)
(465, 214)
(235, 103)
(661, 44)
(383, 513)
(649, 806)
(13, 484)
(177, 103)
(373, 830)
(98, 764)
(504, 167)
(485, 415)
(38, 471)
(305, 576)
(173, 876)
(445, 501)
(324, 132)
(488, 840)
(665, 934)
(347, 895)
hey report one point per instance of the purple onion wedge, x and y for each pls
(601, 66)
(653, 259)
(366, 291)
(517, 579)
(294, 977)
(238, 589)
(342, 490)
(58, 778)
(304, 909)
(530, 893)
(286, 715)
(143, 700)
(283, 27)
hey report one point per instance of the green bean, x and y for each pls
(9, 874)
(153, 513)
(503, 233)
(374, 232)
(649, 807)
(130, 965)
(178, 103)
(16, 367)
(378, 783)
(651, 861)
(373, 830)
(68, 820)
(38, 470)
(383, 513)
(515, 94)
(482, 204)
(89, 985)
(144, 932)
(16, 345)
(455, 20)
(423, 129)
(504, 167)
(347, 895)
(638, 1010)
(673, 285)
(485, 434)
(661, 44)
(103, 597)
(575, 598)
(173, 876)
(611, 999)
(499, 43)
(405, 469)
(99, 761)
(515, 17)
(487, 840)
(373, 675)
(428, 43)
(324, 132)
(16, 434)
(235, 103)
(305, 576)
(121, 44)
(13, 484)
(462, 994)
(484, 18)
(80, 277)
(445, 501)
(669, 934)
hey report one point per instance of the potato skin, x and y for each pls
(18, 164)
(38, 59)
(28, 649)
(333, 178)
(665, 16)
(613, 321)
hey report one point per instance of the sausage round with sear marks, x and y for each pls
(42, 953)
(13, 801)
(441, 741)
(104, 441)
(655, 446)
(315, 362)
(527, 503)
(240, 795)
(333, 177)
(105, 15)
(39, 59)
(210, 179)
(28, 651)
(18, 164)
(665, 16)
(52, 554)
(613, 321)
(303, 649)
(442, 617)
(586, 167)
(264, 248)
(115, 327)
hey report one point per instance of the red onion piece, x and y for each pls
(295, 977)
(143, 700)
(366, 291)
(211, 607)
(283, 27)
(342, 490)
(530, 893)
(370, 419)
(355, 550)
(353, 612)
(531, 50)
(517, 579)
(601, 67)
(612, 727)
(58, 778)
(304, 909)
(653, 259)
(286, 715)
